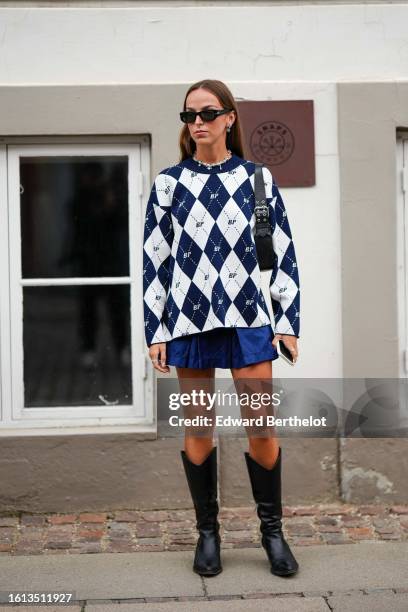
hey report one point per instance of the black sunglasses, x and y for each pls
(206, 115)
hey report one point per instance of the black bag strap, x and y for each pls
(263, 226)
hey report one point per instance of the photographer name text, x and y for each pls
(260, 421)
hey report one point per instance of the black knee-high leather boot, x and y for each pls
(202, 482)
(266, 489)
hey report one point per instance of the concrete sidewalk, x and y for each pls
(361, 576)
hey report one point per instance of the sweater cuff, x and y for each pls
(282, 334)
(157, 337)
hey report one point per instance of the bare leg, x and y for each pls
(198, 443)
(264, 449)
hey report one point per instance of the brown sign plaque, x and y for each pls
(280, 135)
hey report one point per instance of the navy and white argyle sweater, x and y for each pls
(200, 269)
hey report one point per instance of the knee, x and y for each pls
(263, 442)
(198, 447)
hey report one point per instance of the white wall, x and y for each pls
(178, 44)
(314, 215)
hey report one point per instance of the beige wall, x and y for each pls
(369, 115)
(367, 142)
(96, 110)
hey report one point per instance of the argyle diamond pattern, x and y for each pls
(200, 269)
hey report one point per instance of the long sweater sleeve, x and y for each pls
(157, 243)
(284, 282)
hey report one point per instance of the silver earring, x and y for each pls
(229, 128)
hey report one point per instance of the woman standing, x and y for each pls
(203, 305)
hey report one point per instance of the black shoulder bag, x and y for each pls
(263, 231)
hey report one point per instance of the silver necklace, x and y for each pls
(209, 166)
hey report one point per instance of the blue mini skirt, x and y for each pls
(222, 347)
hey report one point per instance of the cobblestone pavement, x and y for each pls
(172, 530)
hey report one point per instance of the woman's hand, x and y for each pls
(290, 342)
(157, 354)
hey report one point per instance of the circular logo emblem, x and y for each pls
(272, 142)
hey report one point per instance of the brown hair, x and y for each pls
(234, 137)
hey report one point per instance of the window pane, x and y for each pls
(76, 345)
(74, 216)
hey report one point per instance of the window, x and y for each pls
(72, 343)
